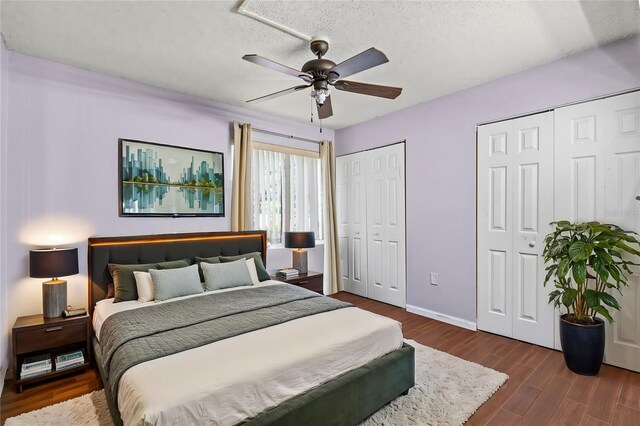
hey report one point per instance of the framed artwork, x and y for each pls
(164, 180)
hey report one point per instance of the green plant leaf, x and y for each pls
(563, 268)
(569, 296)
(615, 272)
(592, 298)
(603, 255)
(627, 248)
(600, 269)
(604, 312)
(579, 271)
(580, 250)
(609, 300)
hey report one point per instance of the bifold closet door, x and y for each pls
(371, 222)
(598, 178)
(515, 206)
(386, 272)
(351, 187)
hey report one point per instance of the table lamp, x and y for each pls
(299, 241)
(53, 263)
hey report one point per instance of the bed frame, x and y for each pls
(345, 400)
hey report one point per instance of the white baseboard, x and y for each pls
(458, 322)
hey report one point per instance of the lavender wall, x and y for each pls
(440, 166)
(4, 350)
(61, 164)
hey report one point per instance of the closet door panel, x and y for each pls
(515, 205)
(597, 178)
(342, 190)
(386, 224)
(351, 185)
(533, 317)
(622, 185)
(494, 227)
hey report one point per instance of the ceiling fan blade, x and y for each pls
(280, 93)
(277, 67)
(368, 89)
(325, 111)
(362, 61)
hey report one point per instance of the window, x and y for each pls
(286, 191)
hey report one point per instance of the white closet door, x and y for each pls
(598, 178)
(494, 228)
(386, 225)
(515, 206)
(351, 188)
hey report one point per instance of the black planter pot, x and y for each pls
(583, 346)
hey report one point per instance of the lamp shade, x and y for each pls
(53, 263)
(299, 240)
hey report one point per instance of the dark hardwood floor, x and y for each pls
(540, 389)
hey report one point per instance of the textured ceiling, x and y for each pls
(434, 48)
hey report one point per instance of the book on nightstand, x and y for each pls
(287, 273)
(35, 365)
(69, 360)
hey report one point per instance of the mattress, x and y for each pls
(231, 380)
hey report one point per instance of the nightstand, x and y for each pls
(311, 281)
(34, 335)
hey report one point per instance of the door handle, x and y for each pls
(532, 244)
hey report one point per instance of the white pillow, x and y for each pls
(253, 272)
(144, 284)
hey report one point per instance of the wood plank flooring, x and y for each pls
(540, 389)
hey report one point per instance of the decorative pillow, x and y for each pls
(144, 285)
(215, 259)
(173, 264)
(262, 271)
(251, 265)
(123, 281)
(110, 291)
(170, 283)
(226, 275)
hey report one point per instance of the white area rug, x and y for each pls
(448, 391)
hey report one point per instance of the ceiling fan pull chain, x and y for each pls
(312, 105)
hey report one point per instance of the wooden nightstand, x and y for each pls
(34, 335)
(311, 281)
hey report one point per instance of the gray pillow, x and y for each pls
(170, 283)
(123, 281)
(257, 258)
(215, 259)
(173, 264)
(226, 275)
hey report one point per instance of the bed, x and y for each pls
(335, 366)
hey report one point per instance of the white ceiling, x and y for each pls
(434, 47)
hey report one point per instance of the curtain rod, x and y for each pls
(269, 132)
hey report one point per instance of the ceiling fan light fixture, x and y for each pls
(320, 95)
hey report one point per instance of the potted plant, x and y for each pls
(588, 262)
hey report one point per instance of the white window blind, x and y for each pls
(286, 193)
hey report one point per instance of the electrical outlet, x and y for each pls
(434, 278)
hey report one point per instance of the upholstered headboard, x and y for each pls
(160, 248)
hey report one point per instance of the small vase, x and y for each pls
(582, 346)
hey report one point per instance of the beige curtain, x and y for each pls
(332, 273)
(241, 217)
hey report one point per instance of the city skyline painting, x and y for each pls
(165, 180)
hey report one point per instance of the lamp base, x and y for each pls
(300, 261)
(54, 298)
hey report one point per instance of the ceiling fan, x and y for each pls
(322, 73)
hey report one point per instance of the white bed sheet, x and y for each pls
(230, 380)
